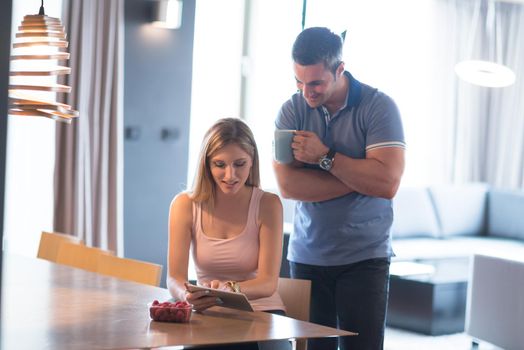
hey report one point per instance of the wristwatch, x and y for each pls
(234, 286)
(326, 161)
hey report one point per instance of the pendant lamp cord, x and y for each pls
(41, 12)
(498, 36)
(475, 19)
(493, 33)
(490, 30)
(304, 7)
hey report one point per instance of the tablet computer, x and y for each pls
(231, 299)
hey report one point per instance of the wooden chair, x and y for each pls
(130, 269)
(50, 243)
(296, 296)
(80, 256)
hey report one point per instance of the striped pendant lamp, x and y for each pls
(39, 47)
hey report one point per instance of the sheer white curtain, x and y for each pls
(488, 138)
(88, 152)
(505, 154)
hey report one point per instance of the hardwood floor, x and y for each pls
(397, 339)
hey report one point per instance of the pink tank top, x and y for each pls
(234, 258)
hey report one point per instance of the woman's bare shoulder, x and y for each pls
(270, 204)
(182, 201)
(270, 198)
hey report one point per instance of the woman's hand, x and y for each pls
(216, 284)
(201, 301)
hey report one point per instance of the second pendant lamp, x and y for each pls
(489, 72)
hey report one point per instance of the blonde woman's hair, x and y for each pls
(224, 132)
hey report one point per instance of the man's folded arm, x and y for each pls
(377, 175)
(308, 185)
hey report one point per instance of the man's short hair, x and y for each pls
(318, 45)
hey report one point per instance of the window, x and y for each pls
(393, 46)
(30, 165)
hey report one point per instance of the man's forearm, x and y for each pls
(308, 185)
(378, 177)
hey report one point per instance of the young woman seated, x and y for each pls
(232, 227)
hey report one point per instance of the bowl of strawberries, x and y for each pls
(179, 311)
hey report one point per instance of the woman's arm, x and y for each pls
(179, 242)
(180, 222)
(270, 251)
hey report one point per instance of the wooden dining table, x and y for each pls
(51, 306)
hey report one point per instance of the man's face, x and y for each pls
(316, 83)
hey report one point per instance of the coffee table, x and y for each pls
(430, 300)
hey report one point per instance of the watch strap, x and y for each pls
(331, 154)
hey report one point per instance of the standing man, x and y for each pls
(349, 158)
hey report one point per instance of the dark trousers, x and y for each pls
(351, 297)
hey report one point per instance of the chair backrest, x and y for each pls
(130, 269)
(80, 256)
(284, 263)
(296, 296)
(50, 243)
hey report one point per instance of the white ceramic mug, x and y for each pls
(282, 151)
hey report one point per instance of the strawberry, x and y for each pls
(180, 316)
(179, 311)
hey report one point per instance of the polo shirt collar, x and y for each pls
(354, 92)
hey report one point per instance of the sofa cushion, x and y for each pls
(506, 214)
(413, 214)
(460, 209)
(421, 248)
(454, 247)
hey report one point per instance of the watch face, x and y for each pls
(325, 163)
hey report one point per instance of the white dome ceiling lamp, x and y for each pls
(483, 72)
(39, 45)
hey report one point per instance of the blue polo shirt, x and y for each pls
(353, 227)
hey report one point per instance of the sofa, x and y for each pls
(447, 221)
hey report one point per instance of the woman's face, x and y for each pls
(230, 167)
